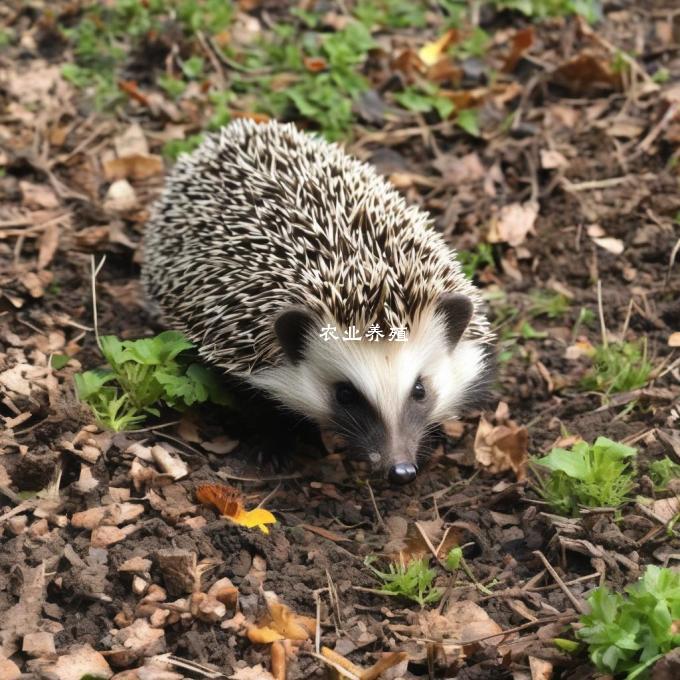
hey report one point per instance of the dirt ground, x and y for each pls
(589, 165)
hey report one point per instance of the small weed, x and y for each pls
(618, 367)
(661, 76)
(173, 148)
(141, 375)
(473, 261)
(391, 13)
(413, 580)
(586, 317)
(173, 87)
(546, 303)
(590, 10)
(454, 558)
(425, 99)
(629, 633)
(663, 471)
(474, 44)
(597, 475)
(468, 120)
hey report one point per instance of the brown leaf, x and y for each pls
(38, 195)
(513, 223)
(315, 64)
(136, 166)
(503, 446)
(587, 73)
(521, 42)
(48, 244)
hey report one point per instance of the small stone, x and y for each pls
(38, 644)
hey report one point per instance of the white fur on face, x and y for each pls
(383, 372)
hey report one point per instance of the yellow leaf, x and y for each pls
(431, 52)
(262, 635)
(292, 626)
(255, 518)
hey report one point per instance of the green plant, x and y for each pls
(478, 258)
(174, 147)
(590, 475)
(547, 303)
(424, 99)
(591, 10)
(391, 13)
(141, 375)
(629, 633)
(663, 471)
(454, 558)
(413, 580)
(323, 94)
(107, 32)
(618, 367)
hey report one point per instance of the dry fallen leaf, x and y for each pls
(521, 42)
(463, 622)
(81, 661)
(587, 73)
(674, 339)
(513, 223)
(252, 673)
(229, 502)
(431, 52)
(502, 446)
(611, 244)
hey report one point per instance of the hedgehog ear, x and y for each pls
(456, 310)
(292, 327)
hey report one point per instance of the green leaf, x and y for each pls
(454, 558)
(468, 120)
(59, 361)
(112, 349)
(91, 382)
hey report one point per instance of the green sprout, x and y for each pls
(663, 472)
(141, 375)
(475, 260)
(618, 367)
(546, 303)
(627, 634)
(588, 475)
(412, 580)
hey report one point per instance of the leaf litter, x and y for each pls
(546, 151)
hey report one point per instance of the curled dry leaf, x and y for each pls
(463, 623)
(431, 52)
(502, 446)
(229, 502)
(281, 623)
(588, 73)
(80, 662)
(513, 223)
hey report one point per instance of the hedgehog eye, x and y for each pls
(345, 393)
(418, 391)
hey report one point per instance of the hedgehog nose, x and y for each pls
(402, 473)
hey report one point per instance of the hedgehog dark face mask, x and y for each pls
(381, 398)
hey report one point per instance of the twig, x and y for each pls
(375, 507)
(600, 311)
(95, 272)
(578, 604)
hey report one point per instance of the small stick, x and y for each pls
(600, 311)
(578, 604)
(95, 272)
(375, 507)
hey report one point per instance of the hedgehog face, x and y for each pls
(381, 397)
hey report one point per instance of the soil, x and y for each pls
(331, 513)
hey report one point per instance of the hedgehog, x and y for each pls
(303, 273)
